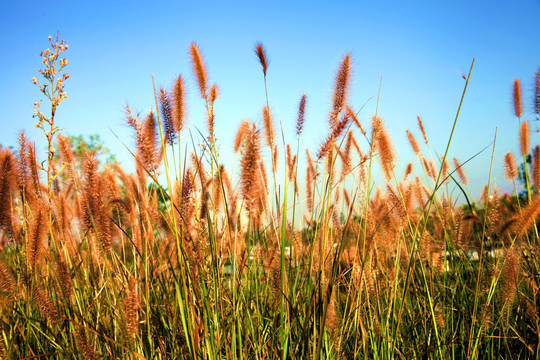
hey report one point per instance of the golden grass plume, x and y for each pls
(383, 144)
(518, 103)
(199, 68)
(263, 59)
(510, 166)
(341, 89)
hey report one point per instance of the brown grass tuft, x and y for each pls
(422, 129)
(414, 143)
(526, 220)
(145, 138)
(518, 104)
(310, 176)
(333, 320)
(199, 68)
(408, 171)
(357, 122)
(524, 138)
(536, 168)
(274, 159)
(66, 152)
(179, 108)
(383, 144)
(186, 202)
(291, 163)
(341, 89)
(150, 142)
(84, 346)
(46, 306)
(64, 278)
(214, 93)
(7, 185)
(131, 305)
(335, 133)
(167, 117)
(510, 167)
(263, 59)
(509, 273)
(243, 130)
(249, 169)
(95, 212)
(269, 130)
(345, 156)
(7, 282)
(460, 172)
(36, 237)
(537, 92)
(301, 115)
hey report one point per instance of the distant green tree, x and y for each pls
(81, 145)
(521, 173)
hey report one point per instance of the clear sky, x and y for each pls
(420, 48)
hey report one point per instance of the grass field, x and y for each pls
(187, 259)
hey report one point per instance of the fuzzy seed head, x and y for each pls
(263, 59)
(518, 104)
(167, 116)
(460, 172)
(524, 138)
(537, 92)
(241, 135)
(199, 68)
(269, 130)
(414, 143)
(301, 115)
(510, 167)
(383, 144)
(536, 168)
(341, 89)
(179, 109)
(422, 129)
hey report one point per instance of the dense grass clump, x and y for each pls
(184, 259)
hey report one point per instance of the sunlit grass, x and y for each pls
(184, 259)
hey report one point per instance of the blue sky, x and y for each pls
(419, 48)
